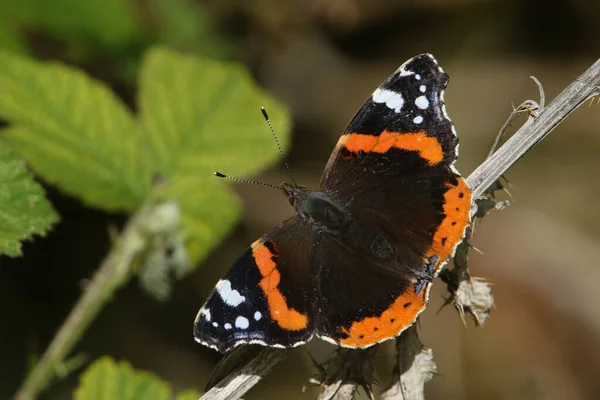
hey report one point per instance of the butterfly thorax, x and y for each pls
(326, 215)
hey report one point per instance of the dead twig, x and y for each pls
(344, 372)
(238, 382)
(413, 369)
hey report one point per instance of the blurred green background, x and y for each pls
(322, 58)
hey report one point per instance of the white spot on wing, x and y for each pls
(422, 88)
(329, 340)
(242, 322)
(418, 119)
(257, 315)
(422, 102)
(227, 326)
(230, 296)
(215, 324)
(393, 100)
(418, 77)
(240, 342)
(445, 114)
(205, 312)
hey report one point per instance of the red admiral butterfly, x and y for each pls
(355, 265)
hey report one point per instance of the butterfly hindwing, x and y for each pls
(365, 296)
(263, 298)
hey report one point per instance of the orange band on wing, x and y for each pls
(457, 208)
(428, 147)
(399, 316)
(286, 317)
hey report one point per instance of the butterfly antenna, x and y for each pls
(220, 175)
(264, 113)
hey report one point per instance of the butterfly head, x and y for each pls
(296, 194)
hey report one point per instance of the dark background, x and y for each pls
(322, 58)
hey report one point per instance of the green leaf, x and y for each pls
(107, 380)
(74, 132)
(111, 23)
(185, 25)
(200, 116)
(11, 39)
(24, 210)
(196, 116)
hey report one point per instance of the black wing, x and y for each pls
(393, 167)
(263, 299)
(365, 297)
(393, 171)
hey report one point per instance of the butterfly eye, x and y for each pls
(292, 200)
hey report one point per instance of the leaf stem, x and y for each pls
(115, 271)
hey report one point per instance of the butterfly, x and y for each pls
(355, 265)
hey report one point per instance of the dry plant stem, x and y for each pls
(527, 105)
(535, 129)
(414, 367)
(236, 384)
(116, 270)
(530, 134)
(345, 372)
